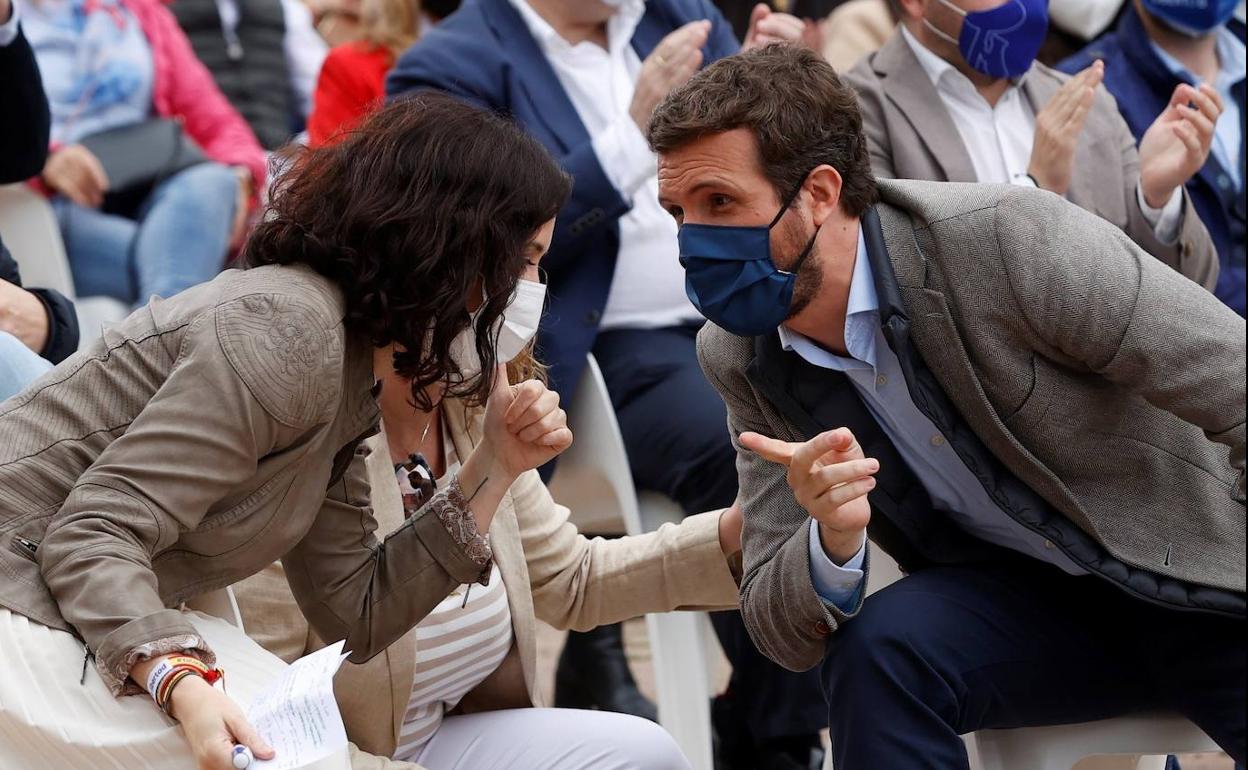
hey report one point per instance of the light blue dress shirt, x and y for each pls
(876, 374)
(1229, 131)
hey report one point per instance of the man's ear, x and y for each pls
(823, 186)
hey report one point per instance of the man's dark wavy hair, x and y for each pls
(404, 214)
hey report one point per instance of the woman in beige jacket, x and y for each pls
(550, 572)
(214, 432)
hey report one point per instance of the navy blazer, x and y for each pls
(485, 54)
(1142, 84)
(23, 151)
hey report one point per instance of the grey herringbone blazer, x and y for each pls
(1108, 383)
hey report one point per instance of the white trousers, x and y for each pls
(51, 721)
(550, 739)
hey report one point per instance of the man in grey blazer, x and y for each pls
(937, 104)
(1039, 421)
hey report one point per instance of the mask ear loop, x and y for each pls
(940, 32)
(784, 209)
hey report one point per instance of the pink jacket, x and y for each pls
(183, 89)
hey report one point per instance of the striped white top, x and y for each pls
(458, 645)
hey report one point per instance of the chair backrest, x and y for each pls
(593, 478)
(32, 235)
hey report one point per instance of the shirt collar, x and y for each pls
(862, 312)
(1230, 55)
(937, 68)
(620, 27)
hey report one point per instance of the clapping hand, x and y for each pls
(1177, 145)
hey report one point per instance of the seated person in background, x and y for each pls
(264, 55)
(616, 291)
(857, 28)
(475, 653)
(115, 65)
(957, 96)
(38, 327)
(1158, 48)
(1042, 423)
(211, 433)
(352, 82)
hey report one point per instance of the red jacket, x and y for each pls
(352, 84)
(183, 89)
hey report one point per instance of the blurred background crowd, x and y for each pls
(167, 120)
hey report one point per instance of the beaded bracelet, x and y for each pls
(171, 671)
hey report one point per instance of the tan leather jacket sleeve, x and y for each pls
(1132, 320)
(198, 437)
(350, 586)
(582, 583)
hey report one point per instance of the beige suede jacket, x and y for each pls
(188, 448)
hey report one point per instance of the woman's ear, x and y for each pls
(823, 184)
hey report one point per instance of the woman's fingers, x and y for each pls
(245, 734)
(558, 439)
(550, 422)
(524, 396)
(545, 403)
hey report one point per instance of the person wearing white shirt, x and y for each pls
(584, 77)
(930, 112)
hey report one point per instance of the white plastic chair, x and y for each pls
(1127, 743)
(594, 481)
(32, 235)
(1137, 743)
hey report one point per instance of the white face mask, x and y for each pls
(518, 327)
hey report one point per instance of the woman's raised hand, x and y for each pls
(524, 426)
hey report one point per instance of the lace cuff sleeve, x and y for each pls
(452, 510)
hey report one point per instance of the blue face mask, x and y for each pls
(730, 276)
(1001, 42)
(1192, 17)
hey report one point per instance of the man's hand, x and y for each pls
(1177, 145)
(23, 315)
(767, 27)
(670, 64)
(77, 174)
(830, 479)
(1058, 128)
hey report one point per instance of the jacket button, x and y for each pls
(593, 316)
(1224, 181)
(821, 628)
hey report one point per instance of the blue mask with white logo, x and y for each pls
(1192, 17)
(730, 276)
(1000, 42)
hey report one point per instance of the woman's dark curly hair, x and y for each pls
(405, 214)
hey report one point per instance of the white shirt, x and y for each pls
(648, 288)
(305, 48)
(999, 138)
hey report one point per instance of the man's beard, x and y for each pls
(809, 276)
